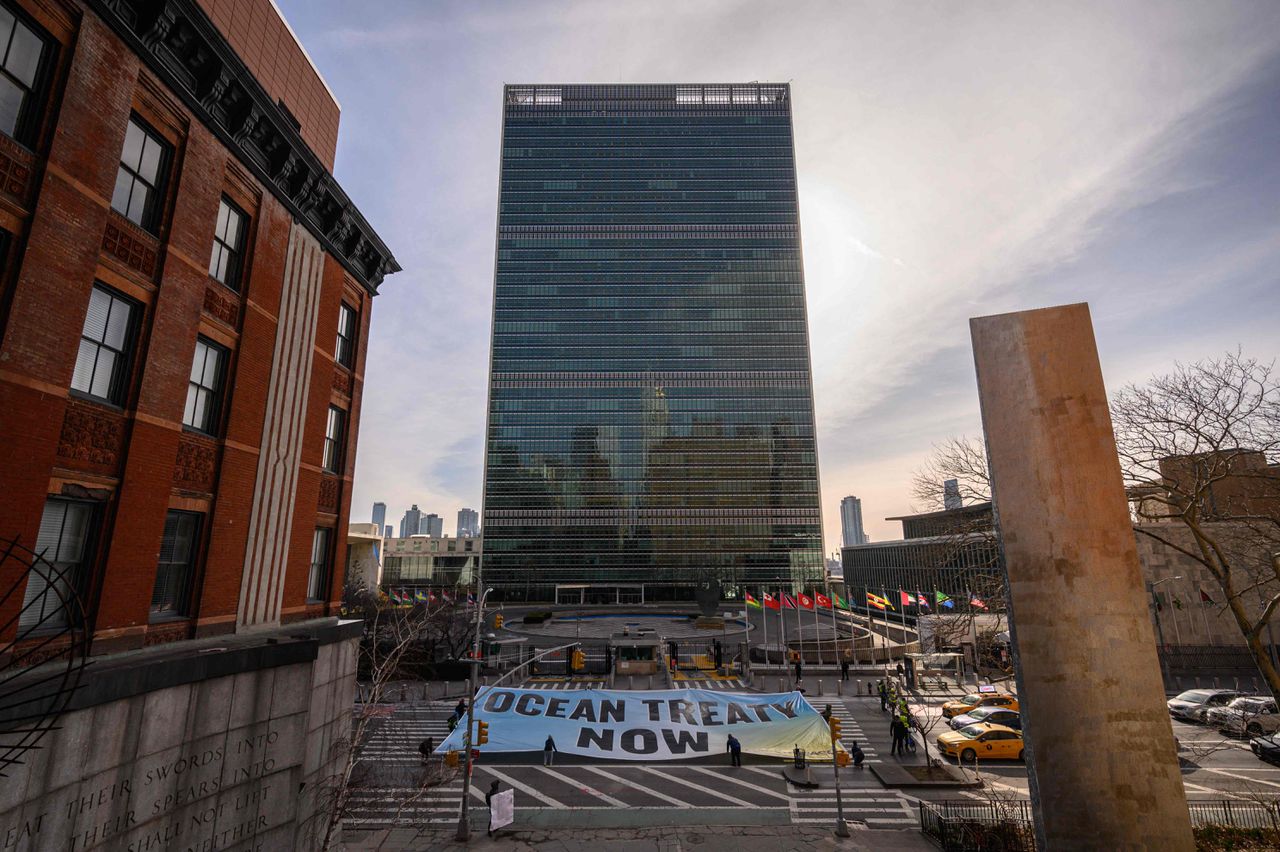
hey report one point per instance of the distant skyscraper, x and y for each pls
(386, 531)
(411, 522)
(951, 495)
(468, 523)
(380, 514)
(432, 525)
(851, 522)
(650, 400)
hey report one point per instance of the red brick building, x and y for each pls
(184, 304)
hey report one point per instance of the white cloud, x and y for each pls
(947, 153)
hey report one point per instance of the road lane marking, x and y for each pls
(686, 783)
(724, 776)
(586, 788)
(1241, 777)
(502, 776)
(646, 790)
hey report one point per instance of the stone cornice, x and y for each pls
(179, 43)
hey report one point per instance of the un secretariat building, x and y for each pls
(650, 417)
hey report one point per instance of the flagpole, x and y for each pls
(884, 597)
(835, 628)
(782, 631)
(764, 617)
(817, 628)
(799, 631)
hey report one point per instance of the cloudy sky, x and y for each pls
(955, 159)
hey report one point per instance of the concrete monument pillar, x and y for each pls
(1100, 751)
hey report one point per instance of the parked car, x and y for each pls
(1247, 716)
(1266, 748)
(1194, 704)
(993, 715)
(978, 699)
(981, 740)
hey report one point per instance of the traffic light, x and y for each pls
(482, 732)
(578, 661)
(842, 758)
(451, 758)
(835, 728)
(498, 621)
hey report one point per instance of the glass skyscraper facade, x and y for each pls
(650, 400)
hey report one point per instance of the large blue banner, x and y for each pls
(669, 724)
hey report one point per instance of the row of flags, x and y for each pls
(821, 601)
(403, 597)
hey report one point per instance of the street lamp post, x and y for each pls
(464, 824)
(1151, 589)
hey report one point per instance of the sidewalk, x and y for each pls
(749, 838)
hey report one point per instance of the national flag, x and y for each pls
(788, 602)
(823, 600)
(974, 600)
(924, 602)
(943, 600)
(752, 601)
(840, 602)
(431, 596)
(806, 602)
(471, 599)
(444, 597)
(419, 596)
(875, 600)
(770, 602)
(906, 598)
(1205, 599)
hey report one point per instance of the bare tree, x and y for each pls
(396, 643)
(1198, 449)
(967, 540)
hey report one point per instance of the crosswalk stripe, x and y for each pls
(698, 787)
(586, 788)
(502, 776)
(721, 776)
(646, 790)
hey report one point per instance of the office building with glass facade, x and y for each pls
(650, 401)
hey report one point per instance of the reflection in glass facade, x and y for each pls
(650, 399)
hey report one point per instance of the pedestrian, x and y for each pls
(884, 695)
(844, 667)
(826, 714)
(735, 751)
(548, 749)
(857, 754)
(896, 729)
(426, 747)
(799, 673)
(899, 671)
(453, 722)
(488, 801)
(461, 709)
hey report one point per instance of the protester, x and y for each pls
(426, 747)
(461, 709)
(884, 695)
(858, 755)
(548, 750)
(735, 751)
(844, 667)
(488, 800)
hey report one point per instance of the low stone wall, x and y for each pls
(207, 745)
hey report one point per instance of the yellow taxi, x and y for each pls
(982, 740)
(979, 699)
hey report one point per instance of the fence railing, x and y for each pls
(1234, 813)
(970, 826)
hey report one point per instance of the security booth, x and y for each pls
(636, 655)
(920, 667)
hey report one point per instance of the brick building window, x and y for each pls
(333, 435)
(22, 50)
(346, 348)
(176, 565)
(102, 364)
(139, 191)
(228, 244)
(204, 390)
(318, 576)
(63, 541)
